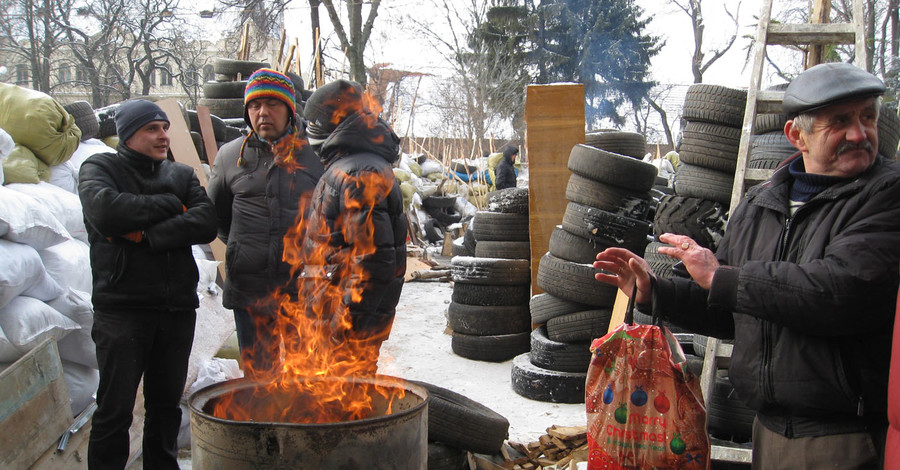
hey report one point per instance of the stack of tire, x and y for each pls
(488, 312)
(442, 212)
(85, 119)
(225, 96)
(609, 202)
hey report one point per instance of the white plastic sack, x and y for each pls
(430, 166)
(6, 146)
(27, 321)
(69, 264)
(78, 347)
(8, 351)
(23, 273)
(76, 306)
(65, 206)
(82, 382)
(25, 220)
(65, 175)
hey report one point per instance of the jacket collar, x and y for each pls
(137, 160)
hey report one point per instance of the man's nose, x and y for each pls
(856, 132)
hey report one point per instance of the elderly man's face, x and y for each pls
(843, 141)
(268, 117)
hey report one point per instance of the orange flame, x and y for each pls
(313, 320)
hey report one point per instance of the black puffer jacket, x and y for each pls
(506, 174)
(256, 202)
(809, 300)
(126, 192)
(359, 189)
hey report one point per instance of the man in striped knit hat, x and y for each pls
(258, 185)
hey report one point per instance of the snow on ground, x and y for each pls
(419, 349)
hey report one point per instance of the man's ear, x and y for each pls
(795, 136)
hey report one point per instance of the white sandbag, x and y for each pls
(27, 321)
(75, 305)
(69, 264)
(65, 175)
(23, 273)
(430, 166)
(25, 220)
(212, 371)
(65, 206)
(82, 382)
(8, 351)
(6, 146)
(78, 347)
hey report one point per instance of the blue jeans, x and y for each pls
(155, 345)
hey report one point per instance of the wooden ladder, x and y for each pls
(816, 34)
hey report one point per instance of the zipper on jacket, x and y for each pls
(768, 387)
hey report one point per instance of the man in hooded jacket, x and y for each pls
(259, 185)
(357, 218)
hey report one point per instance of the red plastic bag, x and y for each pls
(644, 407)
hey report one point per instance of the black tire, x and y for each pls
(630, 144)
(611, 168)
(231, 67)
(605, 227)
(573, 281)
(505, 272)
(218, 125)
(199, 147)
(224, 107)
(579, 326)
(444, 457)
(439, 202)
(701, 219)
(694, 364)
(769, 122)
(500, 226)
(536, 383)
(545, 306)
(711, 146)
(469, 239)
(767, 151)
(727, 416)
(509, 200)
(888, 132)
(224, 89)
(458, 248)
(560, 356)
(484, 320)
(571, 247)
(85, 119)
(107, 120)
(458, 421)
(613, 199)
(489, 348)
(433, 231)
(660, 264)
(490, 295)
(503, 249)
(715, 104)
(696, 181)
(232, 133)
(444, 216)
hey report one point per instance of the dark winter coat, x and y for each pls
(256, 202)
(358, 160)
(809, 300)
(505, 173)
(129, 192)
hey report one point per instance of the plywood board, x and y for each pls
(34, 406)
(554, 118)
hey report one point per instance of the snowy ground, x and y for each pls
(419, 349)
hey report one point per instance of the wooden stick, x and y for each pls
(297, 46)
(281, 46)
(287, 59)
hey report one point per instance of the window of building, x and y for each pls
(65, 74)
(152, 77)
(81, 74)
(165, 78)
(22, 76)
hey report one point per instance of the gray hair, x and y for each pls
(804, 121)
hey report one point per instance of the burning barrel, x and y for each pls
(392, 434)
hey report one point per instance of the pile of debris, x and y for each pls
(562, 447)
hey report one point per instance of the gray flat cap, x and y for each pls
(827, 84)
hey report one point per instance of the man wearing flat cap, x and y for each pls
(143, 213)
(805, 281)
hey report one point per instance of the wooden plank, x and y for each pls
(73, 457)
(618, 311)
(34, 406)
(804, 34)
(207, 133)
(554, 117)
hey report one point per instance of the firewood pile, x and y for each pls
(560, 448)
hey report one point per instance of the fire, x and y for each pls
(313, 318)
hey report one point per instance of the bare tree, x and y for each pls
(29, 34)
(700, 63)
(354, 38)
(653, 98)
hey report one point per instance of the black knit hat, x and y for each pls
(330, 105)
(135, 114)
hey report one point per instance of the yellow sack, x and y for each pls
(37, 121)
(21, 166)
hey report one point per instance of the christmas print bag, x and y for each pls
(644, 407)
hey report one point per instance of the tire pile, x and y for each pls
(443, 213)
(488, 312)
(610, 203)
(225, 96)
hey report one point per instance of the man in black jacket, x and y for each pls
(143, 213)
(258, 185)
(804, 280)
(356, 235)
(506, 172)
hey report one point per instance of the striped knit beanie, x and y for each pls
(267, 83)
